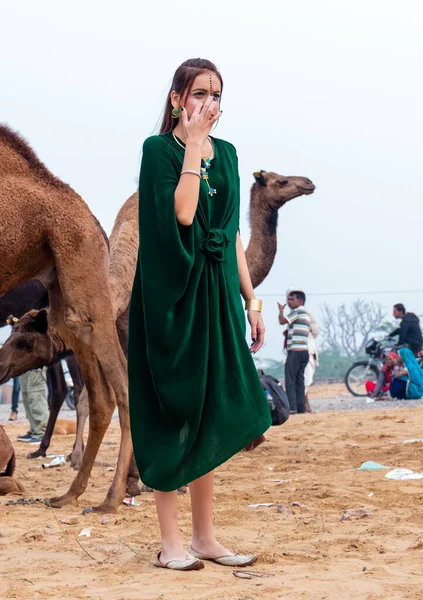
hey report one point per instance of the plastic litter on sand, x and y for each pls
(403, 474)
(130, 501)
(413, 441)
(86, 532)
(369, 465)
(56, 462)
(265, 505)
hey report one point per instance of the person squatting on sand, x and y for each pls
(194, 393)
(401, 378)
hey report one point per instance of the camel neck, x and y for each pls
(262, 247)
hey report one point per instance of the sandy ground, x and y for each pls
(309, 554)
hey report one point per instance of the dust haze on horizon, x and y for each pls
(329, 91)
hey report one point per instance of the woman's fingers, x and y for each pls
(257, 333)
(254, 331)
(214, 120)
(206, 106)
(184, 118)
(215, 117)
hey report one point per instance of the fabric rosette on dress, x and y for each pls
(216, 244)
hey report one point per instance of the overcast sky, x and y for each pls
(329, 90)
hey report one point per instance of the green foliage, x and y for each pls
(332, 364)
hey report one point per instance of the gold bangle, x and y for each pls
(253, 304)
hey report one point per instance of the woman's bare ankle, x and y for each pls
(209, 546)
(172, 551)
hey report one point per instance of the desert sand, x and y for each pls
(308, 466)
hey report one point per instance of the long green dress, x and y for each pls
(194, 395)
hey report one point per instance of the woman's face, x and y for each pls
(204, 85)
(389, 361)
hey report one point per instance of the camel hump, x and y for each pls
(15, 152)
(123, 254)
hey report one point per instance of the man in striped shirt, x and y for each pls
(298, 322)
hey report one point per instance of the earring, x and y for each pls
(176, 113)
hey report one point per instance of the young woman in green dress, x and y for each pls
(195, 397)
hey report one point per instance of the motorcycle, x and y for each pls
(368, 369)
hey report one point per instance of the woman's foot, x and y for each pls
(177, 553)
(13, 416)
(210, 548)
(188, 564)
(220, 555)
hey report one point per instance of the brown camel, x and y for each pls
(8, 484)
(269, 193)
(51, 235)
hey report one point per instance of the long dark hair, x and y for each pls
(182, 81)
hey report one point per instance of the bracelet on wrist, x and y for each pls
(191, 172)
(253, 304)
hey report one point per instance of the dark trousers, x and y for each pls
(15, 394)
(294, 379)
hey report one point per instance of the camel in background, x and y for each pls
(269, 193)
(8, 484)
(48, 233)
(23, 298)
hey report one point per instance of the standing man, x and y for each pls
(298, 322)
(34, 398)
(409, 331)
(15, 399)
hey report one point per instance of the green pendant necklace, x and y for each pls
(205, 165)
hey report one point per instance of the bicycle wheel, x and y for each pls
(357, 375)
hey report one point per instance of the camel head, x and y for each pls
(269, 193)
(32, 344)
(277, 189)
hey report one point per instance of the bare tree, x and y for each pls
(346, 329)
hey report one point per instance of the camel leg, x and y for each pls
(101, 411)
(75, 373)
(81, 404)
(116, 492)
(82, 411)
(57, 387)
(132, 487)
(103, 368)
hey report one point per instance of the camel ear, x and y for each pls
(259, 177)
(40, 322)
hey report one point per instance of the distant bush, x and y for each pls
(331, 364)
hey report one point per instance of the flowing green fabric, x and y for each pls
(194, 394)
